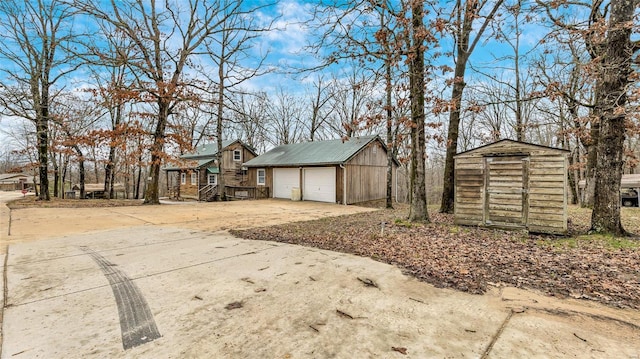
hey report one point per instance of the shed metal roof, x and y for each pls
(312, 153)
(503, 141)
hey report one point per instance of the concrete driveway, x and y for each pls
(170, 282)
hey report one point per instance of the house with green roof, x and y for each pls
(336, 171)
(197, 174)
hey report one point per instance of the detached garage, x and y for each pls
(336, 171)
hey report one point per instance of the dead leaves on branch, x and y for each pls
(469, 259)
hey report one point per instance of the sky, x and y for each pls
(285, 46)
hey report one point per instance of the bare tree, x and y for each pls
(284, 114)
(113, 92)
(464, 14)
(35, 35)
(74, 118)
(353, 95)
(592, 33)
(320, 97)
(164, 35)
(249, 120)
(235, 34)
(416, 44)
(610, 105)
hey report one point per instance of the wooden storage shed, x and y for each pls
(514, 185)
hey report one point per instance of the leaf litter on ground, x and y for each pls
(470, 259)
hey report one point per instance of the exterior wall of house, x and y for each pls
(262, 191)
(190, 189)
(367, 174)
(512, 184)
(232, 170)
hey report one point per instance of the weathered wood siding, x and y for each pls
(469, 191)
(188, 189)
(512, 184)
(252, 178)
(505, 189)
(339, 185)
(231, 170)
(547, 193)
(367, 175)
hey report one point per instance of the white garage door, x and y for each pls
(320, 184)
(284, 179)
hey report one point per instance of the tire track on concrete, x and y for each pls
(136, 320)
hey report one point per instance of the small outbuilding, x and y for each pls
(514, 185)
(15, 181)
(336, 171)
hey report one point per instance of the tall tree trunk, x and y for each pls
(611, 101)
(219, 123)
(589, 190)
(448, 188)
(108, 173)
(56, 177)
(65, 168)
(572, 181)
(418, 209)
(151, 194)
(42, 128)
(518, 96)
(138, 179)
(464, 48)
(389, 114)
(81, 169)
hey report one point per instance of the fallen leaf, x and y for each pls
(234, 305)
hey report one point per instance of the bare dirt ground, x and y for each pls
(65, 217)
(212, 295)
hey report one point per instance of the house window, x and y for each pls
(183, 178)
(212, 179)
(375, 149)
(262, 177)
(194, 178)
(237, 155)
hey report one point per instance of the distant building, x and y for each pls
(15, 181)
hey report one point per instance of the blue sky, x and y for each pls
(287, 41)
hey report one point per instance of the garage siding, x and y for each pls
(367, 175)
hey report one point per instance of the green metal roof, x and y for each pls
(207, 151)
(214, 170)
(312, 153)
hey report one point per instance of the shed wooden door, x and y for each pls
(506, 191)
